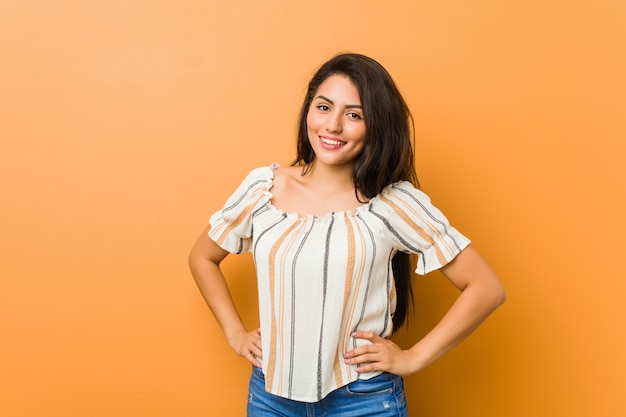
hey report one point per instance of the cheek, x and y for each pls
(359, 132)
(311, 122)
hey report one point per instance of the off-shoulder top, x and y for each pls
(320, 278)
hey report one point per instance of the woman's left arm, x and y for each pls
(481, 294)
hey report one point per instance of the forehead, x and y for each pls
(339, 87)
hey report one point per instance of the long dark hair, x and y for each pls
(387, 156)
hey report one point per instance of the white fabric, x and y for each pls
(322, 277)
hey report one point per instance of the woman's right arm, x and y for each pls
(204, 261)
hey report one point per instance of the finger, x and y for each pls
(361, 350)
(367, 335)
(363, 334)
(368, 367)
(254, 360)
(256, 351)
(368, 357)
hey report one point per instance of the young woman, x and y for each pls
(331, 237)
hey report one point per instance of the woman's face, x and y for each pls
(335, 123)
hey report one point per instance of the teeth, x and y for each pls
(333, 142)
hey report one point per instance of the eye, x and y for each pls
(355, 116)
(323, 107)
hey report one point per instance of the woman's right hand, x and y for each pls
(248, 345)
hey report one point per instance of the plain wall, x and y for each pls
(125, 124)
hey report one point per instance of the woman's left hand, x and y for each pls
(381, 355)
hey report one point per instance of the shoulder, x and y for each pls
(259, 175)
(403, 190)
(290, 173)
(403, 198)
(285, 177)
(256, 180)
(266, 171)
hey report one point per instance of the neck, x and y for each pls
(330, 176)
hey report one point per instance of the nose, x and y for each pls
(334, 122)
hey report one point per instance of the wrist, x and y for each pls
(419, 360)
(233, 335)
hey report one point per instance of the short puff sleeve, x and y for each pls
(231, 227)
(419, 227)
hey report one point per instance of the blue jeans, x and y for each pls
(381, 396)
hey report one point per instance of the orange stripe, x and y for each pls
(355, 291)
(245, 213)
(392, 293)
(281, 319)
(271, 365)
(434, 230)
(421, 232)
(346, 293)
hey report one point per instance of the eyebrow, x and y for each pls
(349, 106)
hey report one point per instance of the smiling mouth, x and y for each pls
(332, 142)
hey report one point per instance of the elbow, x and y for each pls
(502, 298)
(491, 293)
(497, 295)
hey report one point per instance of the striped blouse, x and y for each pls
(322, 277)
